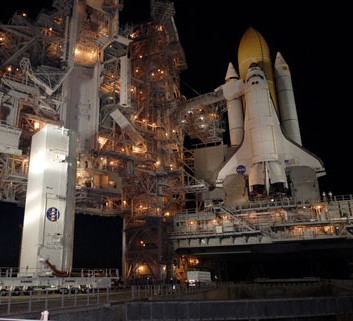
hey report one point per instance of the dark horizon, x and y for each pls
(92, 247)
(94, 250)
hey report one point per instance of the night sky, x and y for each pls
(316, 41)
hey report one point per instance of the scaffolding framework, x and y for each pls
(137, 166)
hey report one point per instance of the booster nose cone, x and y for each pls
(231, 73)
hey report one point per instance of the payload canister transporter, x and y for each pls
(267, 138)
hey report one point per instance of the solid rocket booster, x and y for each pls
(234, 107)
(286, 101)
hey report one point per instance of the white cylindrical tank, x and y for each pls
(234, 107)
(286, 101)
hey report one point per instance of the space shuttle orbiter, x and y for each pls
(263, 123)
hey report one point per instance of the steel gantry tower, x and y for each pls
(119, 89)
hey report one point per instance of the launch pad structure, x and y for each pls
(147, 154)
